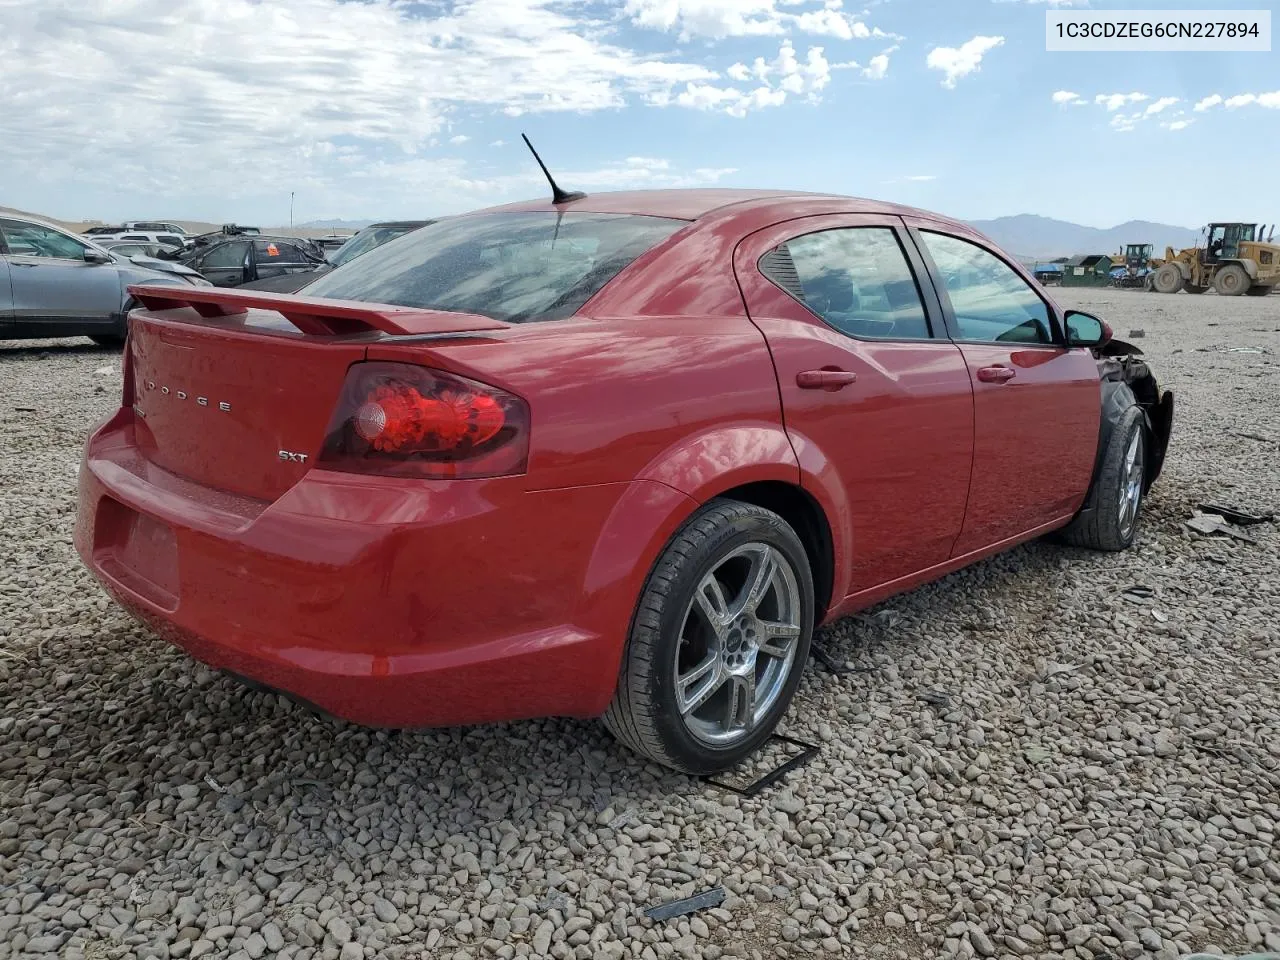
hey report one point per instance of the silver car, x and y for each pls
(55, 284)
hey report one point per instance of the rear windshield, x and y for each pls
(366, 240)
(516, 267)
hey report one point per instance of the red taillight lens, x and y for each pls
(405, 420)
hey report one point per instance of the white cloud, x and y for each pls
(1177, 124)
(1114, 101)
(459, 139)
(718, 19)
(1208, 103)
(498, 143)
(776, 80)
(957, 62)
(1269, 100)
(265, 98)
(877, 67)
(1161, 105)
(1066, 96)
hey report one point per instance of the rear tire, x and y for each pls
(1258, 291)
(1109, 519)
(1231, 281)
(711, 665)
(1168, 279)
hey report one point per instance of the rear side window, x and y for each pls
(857, 279)
(273, 251)
(516, 267)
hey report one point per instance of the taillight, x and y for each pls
(410, 421)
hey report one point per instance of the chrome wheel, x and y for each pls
(738, 642)
(1131, 484)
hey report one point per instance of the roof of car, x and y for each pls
(695, 204)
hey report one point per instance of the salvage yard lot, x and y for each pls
(1028, 761)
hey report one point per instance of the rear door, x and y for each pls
(274, 258)
(50, 281)
(227, 264)
(870, 383)
(1037, 404)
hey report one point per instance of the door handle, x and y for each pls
(825, 379)
(996, 374)
(20, 263)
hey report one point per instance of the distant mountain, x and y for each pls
(1028, 235)
(351, 225)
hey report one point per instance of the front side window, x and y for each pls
(992, 304)
(514, 267)
(856, 279)
(32, 240)
(228, 255)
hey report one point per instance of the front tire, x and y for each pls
(1109, 519)
(1231, 281)
(718, 642)
(1168, 279)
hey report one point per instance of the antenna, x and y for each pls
(558, 196)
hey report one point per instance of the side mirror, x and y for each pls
(92, 255)
(1086, 330)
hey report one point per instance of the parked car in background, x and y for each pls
(155, 226)
(174, 241)
(133, 248)
(148, 254)
(55, 284)
(374, 235)
(614, 456)
(232, 260)
(332, 242)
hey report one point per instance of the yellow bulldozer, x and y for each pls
(1232, 258)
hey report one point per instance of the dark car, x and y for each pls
(234, 260)
(374, 235)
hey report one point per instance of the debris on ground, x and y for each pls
(1236, 516)
(1210, 524)
(680, 908)
(1137, 334)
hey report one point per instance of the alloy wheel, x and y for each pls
(1131, 485)
(738, 644)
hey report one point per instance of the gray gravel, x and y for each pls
(1033, 763)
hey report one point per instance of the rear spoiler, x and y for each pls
(311, 315)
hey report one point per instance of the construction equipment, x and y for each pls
(1133, 266)
(1232, 258)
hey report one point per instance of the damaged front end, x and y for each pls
(1127, 381)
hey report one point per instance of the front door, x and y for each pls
(873, 392)
(50, 280)
(274, 258)
(1037, 404)
(6, 293)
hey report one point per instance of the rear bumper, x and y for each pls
(387, 602)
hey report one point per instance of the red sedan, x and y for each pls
(615, 457)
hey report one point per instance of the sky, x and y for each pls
(375, 109)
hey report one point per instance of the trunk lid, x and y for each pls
(233, 397)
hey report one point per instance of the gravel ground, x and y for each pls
(1031, 762)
